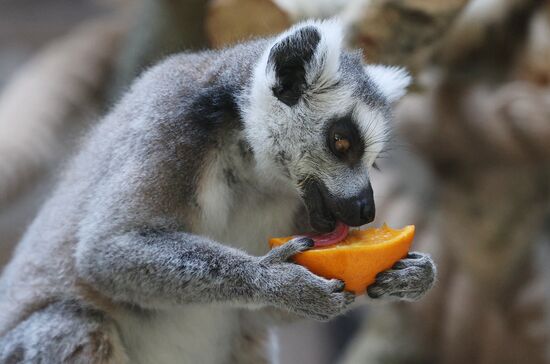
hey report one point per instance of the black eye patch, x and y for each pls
(344, 141)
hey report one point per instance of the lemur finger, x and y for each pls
(411, 276)
(284, 252)
(408, 283)
(337, 285)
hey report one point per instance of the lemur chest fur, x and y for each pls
(237, 207)
(190, 334)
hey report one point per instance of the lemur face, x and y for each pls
(319, 117)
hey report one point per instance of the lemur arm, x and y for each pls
(154, 269)
(162, 269)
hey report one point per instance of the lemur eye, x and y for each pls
(341, 143)
(344, 140)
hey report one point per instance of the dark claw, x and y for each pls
(340, 287)
(309, 242)
(414, 256)
(399, 265)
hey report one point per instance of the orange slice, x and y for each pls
(359, 257)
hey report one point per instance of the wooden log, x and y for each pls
(231, 21)
(533, 62)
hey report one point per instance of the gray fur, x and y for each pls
(156, 238)
(63, 332)
(409, 279)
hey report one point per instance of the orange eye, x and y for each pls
(341, 144)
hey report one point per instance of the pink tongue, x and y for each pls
(337, 235)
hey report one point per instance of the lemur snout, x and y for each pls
(355, 211)
(326, 208)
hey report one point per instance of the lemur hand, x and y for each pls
(409, 279)
(293, 287)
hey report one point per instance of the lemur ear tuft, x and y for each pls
(303, 58)
(289, 59)
(392, 81)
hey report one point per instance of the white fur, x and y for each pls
(192, 334)
(374, 128)
(327, 55)
(214, 197)
(392, 81)
(233, 217)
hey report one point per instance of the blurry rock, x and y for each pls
(43, 111)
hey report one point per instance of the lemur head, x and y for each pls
(318, 117)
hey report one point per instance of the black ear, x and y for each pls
(289, 58)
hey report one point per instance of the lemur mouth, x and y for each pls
(320, 218)
(339, 233)
(328, 230)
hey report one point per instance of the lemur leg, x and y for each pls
(63, 332)
(409, 279)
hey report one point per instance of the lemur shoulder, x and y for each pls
(152, 249)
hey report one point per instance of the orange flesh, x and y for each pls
(359, 257)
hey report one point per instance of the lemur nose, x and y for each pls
(368, 211)
(356, 211)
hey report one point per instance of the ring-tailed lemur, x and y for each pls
(153, 248)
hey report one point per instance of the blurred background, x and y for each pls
(469, 163)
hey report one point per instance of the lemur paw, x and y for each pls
(409, 279)
(294, 288)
